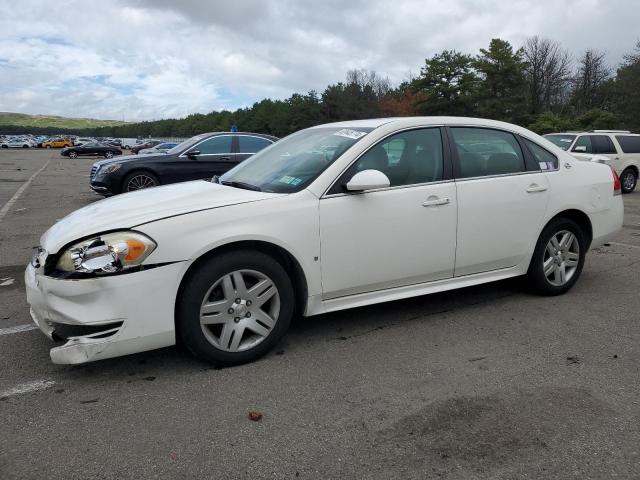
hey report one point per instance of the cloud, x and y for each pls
(150, 59)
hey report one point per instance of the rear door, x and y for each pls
(502, 198)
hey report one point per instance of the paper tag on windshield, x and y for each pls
(346, 132)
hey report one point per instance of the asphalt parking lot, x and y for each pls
(486, 382)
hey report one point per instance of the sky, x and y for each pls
(152, 59)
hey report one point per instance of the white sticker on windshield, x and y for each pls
(347, 132)
(566, 140)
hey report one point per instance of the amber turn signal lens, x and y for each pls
(136, 248)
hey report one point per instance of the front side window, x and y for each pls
(406, 158)
(583, 145)
(545, 159)
(629, 143)
(484, 152)
(291, 164)
(215, 145)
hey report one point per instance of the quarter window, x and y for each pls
(215, 145)
(484, 152)
(407, 158)
(545, 159)
(629, 144)
(252, 144)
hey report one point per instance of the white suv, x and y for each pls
(621, 147)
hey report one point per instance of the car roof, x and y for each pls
(597, 132)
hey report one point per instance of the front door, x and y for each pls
(396, 236)
(214, 157)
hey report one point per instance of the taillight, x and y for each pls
(617, 187)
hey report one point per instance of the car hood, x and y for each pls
(135, 208)
(127, 159)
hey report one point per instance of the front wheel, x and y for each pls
(138, 181)
(628, 180)
(235, 307)
(108, 155)
(73, 154)
(558, 257)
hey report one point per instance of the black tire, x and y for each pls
(73, 155)
(628, 180)
(197, 285)
(127, 183)
(5, 146)
(108, 154)
(25, 146)
(536, 277)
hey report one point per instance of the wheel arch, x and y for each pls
(287, 260)
(578, 216)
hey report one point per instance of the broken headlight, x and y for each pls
(107, 253)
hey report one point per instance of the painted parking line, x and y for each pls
(5, 209)
(17, 329)
(28, 387)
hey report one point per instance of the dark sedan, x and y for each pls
(92, 150)
(200, 157)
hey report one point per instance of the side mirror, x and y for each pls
(368, 180)
(580, 148)
(193, 153)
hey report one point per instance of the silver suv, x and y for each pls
(621, 147)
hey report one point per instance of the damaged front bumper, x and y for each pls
(105, 317)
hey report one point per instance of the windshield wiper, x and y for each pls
(246, 186)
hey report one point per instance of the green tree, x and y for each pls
(448, 83)
(627, 90)
(501, 91)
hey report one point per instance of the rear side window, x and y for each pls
(602, 144)
(252, 144)
(545, 159)
(629, 144)
(484, 152)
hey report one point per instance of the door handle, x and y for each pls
(535, 188)
(434, 202)
(225, 159)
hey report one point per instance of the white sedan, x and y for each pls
(331, 217)
(16, 143)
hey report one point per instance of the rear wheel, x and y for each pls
(628, 180)
(235, 307)
(558, 258)
(138, 181)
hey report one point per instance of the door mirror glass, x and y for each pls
(193, 153)
(367, 180)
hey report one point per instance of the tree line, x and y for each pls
(539, 85)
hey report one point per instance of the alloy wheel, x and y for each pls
(109, 155)
(73, 155)
(561, 258)
(240, 310)
(140, 181)
(628, 181)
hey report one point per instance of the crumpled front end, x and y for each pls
(105, 317)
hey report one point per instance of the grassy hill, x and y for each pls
(51, 121)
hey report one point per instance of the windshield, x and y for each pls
(290, 164)
(562, 141)
(187, 143)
